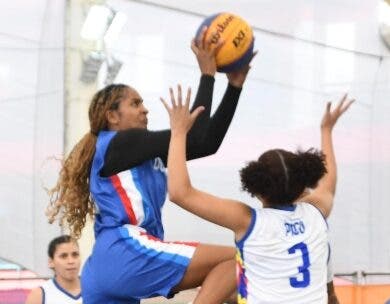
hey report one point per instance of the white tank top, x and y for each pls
(53, 293)
(283, 257)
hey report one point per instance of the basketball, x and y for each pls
(238, 37)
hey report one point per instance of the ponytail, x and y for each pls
(71, 197)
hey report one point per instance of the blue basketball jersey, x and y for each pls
(130, 261)
(134, 196)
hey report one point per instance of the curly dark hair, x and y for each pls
(281, 176)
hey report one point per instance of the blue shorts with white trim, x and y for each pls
(127, 265)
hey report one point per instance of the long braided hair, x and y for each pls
(70, 199)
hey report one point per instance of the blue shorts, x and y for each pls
(127, 265)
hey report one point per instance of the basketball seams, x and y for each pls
(238, 37)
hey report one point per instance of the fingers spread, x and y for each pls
(341, 102)
(194, 47)
(188, 98)
(328, 106)
(165, 105)
(201, 38)
(196, 113)
(172, 97)
(179, 95)
(347, 105)
(220, 44)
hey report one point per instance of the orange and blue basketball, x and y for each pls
(238, 37)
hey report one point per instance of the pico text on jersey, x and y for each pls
(294, 228)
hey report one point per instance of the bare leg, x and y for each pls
(219, 284)
(211, 267)
(332, 297)
(232, 299)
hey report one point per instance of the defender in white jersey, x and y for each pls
(282, 248)
(53, 293)
(283, 256)
(64, 288)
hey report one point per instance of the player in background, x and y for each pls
(64, 287)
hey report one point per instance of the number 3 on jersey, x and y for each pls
(304, 269)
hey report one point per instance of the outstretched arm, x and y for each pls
(323, 194)
(131, 147)
(228, 213)
(205, 56)
(222, 118)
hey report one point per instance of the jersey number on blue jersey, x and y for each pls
(304, 269)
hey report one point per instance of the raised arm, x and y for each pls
(222, 118)
(208, 67)
(322, 196)
(131, 147)
(228, 213)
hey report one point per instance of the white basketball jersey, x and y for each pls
(283, 257)
(53, 293)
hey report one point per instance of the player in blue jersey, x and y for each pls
(117, 172)
(282, 248)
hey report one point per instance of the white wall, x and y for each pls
(310, 51)
(31, 124)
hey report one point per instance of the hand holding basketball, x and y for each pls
(235, 34)
(205, 53)
(237, 77)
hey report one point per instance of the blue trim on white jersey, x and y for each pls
(43, 295)
(284, 207)
(242, 279)
(240, 243)
(326, 222)
(66, 292)
(329, 252)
